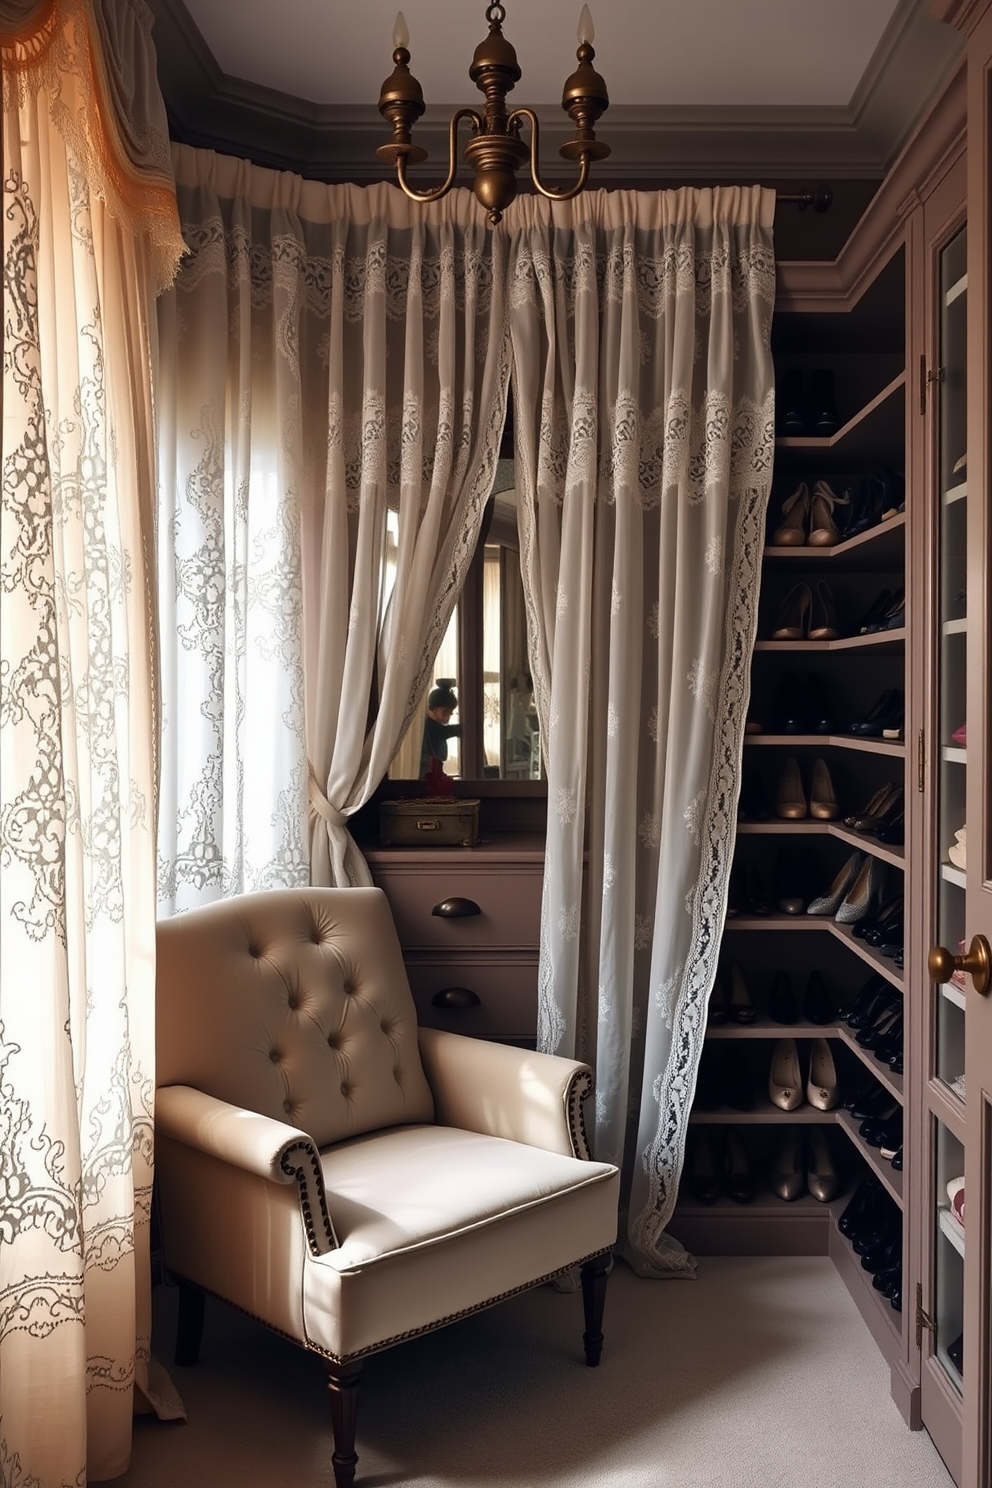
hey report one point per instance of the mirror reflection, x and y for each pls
(478, 718)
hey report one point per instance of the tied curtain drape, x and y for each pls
(643, 416)
(90, 232)
(333, 366)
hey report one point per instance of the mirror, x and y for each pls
(492, 733)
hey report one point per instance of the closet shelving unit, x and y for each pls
(865, 351)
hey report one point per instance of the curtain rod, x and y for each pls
(819, 200)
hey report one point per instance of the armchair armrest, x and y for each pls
(507, 1092)
(246, 1139)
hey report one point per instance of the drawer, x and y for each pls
(509, 899)
(506, 989)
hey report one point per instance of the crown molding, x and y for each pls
(916, 56)
(964, 15)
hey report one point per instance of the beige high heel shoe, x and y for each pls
(790, 801)
(792, 620)
(785, 1086)
(822, 800)
(821, 1086)
(823, 530)
(795, 510)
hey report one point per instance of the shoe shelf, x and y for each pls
(878, 425)
(894, 1084)
(892, 747)
(959, 287)
(952, 755)
(881, 547)
(765, 1028)
(882, 964)
(881, 643)
(889, 1177)
(949, 628)
(956, 493)
(767, 1225)
(765, 1113)
(884, 1323)
(947, 1108)
(952, 1228)
(953, 875)
(805, 827)
(955, 995)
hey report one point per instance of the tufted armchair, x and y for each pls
(346, 1178)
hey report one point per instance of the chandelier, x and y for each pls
(495, 150)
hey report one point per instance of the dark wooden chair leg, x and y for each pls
(342, 1384)
(189, 1329)
(594, 1277)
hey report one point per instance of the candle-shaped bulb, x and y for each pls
(401, 32)
(587, 31)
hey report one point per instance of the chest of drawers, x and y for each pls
(469, 921)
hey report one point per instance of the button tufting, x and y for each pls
(386, 1027)
(274, 1055)
(345, 1088)
(253, 951)
(287, 1106)
(294, 1003)
(348, 989)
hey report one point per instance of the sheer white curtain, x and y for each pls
(90, 233)
(333, 386)
(643, 411)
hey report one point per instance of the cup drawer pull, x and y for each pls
(456, 909)
(455, 997)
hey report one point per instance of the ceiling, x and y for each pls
(829, 88)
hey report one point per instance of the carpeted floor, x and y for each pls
(759, 1374)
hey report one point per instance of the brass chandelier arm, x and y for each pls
(552, 193)
(436, 193)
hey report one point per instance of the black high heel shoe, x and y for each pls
(756, 901)
(817, 1006)
(865, 1006)
(884, 719)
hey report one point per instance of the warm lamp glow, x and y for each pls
(587, 31)
(401, 31)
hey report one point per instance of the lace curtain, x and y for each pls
(643, 411)
(90, 231)
(333, 384)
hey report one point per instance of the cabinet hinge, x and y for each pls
(921, 762)
(926, 378)
(923, 1319)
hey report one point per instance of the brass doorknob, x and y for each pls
(977, 962)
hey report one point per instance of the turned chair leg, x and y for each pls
(189, 1328)
(594, 1276)
(342, 1384)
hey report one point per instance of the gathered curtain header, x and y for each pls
(95, 62)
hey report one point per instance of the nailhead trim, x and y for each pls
(579, 1087)
(319, 1244)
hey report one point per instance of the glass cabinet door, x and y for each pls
(944, 1042)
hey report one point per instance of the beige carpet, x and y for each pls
(760, 1374)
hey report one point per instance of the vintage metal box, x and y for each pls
(432, 821)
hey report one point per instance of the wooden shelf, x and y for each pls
(959, 287)
(953, 755)
(895, 749)
(954, 994)
(765, 1028)
(882, 643)
(810, 827)
(889, 1177)
(949, 628)
(882, 964)
(953, 875)
(956, 493)
(880, 548)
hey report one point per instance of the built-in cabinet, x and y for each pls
(883, 376)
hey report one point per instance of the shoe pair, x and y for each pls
(803, 1163)
(881, 809)
(785, 1083)
(802, 707)
(886, 612)
(791, 803)
(735, 1004)
(853, 892)
(717, 1162)
(783, 1006)
(799, 414)
(872, 497)
(747, 894)
(808, 518)
(884, 720)
(807, 613)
